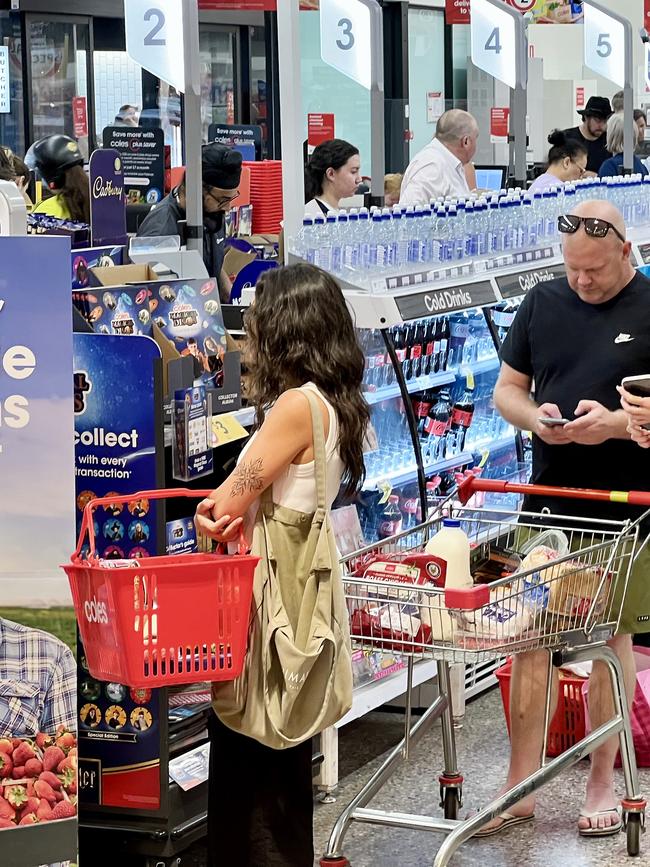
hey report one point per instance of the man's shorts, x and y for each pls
(635, 616)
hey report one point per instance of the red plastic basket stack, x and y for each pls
(161, 621)
(266, 196)
(569, 722)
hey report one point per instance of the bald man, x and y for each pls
(575, 338)
(439, 168)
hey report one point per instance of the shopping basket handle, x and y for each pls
(88, 526)
(471, 485)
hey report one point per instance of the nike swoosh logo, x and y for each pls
(623, 338)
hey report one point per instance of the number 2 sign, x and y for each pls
(347, 36)
(154, 38)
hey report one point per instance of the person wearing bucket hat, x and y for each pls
(221, 169)
(592, 132)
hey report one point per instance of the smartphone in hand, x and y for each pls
(639, 386)
(553, 422)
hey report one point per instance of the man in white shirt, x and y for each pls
(439, 168)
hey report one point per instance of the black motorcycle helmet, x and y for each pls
(52, 156)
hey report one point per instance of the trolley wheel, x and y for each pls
(634, 834)
(334, 862)
(451, 803)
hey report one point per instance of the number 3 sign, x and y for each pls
(347, 31)
(154, 38)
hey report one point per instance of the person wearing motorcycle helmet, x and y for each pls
(221, 170)
(59, 161)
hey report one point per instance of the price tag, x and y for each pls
(346, 37)
(494, 41)
(604, 43)
(155, 36)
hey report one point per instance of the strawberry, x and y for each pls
(6, 746)
(44, 790)
(6, 823)
(31, 805)
(63, 810)
(30, 788)
(68, 764)
(29, 819)
(51, 779)
(43, 741)
(16, 796)
(6, 766)
(16, 742)
(23, 752)
(44, 811)
(33, 767)
(18, 773)
(67, 778)
(59, 796)
(65, 740)
(6, 810)
(52, 757)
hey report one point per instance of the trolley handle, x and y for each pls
(88, 526)
(471, 485)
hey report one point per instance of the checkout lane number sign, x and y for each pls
(154, 34)
(346, 38)
(493, 33)
(604, 45)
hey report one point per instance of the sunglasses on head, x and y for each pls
(568, 224)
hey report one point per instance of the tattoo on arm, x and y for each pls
(247, 477)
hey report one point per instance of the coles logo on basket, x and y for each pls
(96, 612)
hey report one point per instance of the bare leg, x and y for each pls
(600, 785)
(527, 699)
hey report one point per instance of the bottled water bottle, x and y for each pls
(414, 236)
(529, 220)
(364, 239)
(482, 228)
(335, 254)
(373, 241)
(400, 242)
(385, 256)
(505, 236)
(472, 213)
(322, 249)
(493, 233)
(459, 232)
(303, 243)
(443, 233)
(351, 247)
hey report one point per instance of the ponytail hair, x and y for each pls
(332, 154)
(563, 147)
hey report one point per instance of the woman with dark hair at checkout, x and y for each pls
(332, 174)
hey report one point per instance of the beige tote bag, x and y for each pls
(297, 677)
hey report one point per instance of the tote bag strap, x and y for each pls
(320, 459)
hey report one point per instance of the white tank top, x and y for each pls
(296, 487)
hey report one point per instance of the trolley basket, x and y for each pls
(161, 621)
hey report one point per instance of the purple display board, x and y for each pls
(107, 200)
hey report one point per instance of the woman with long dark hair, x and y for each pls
(60, 163)
(302, 350)
(332, 174)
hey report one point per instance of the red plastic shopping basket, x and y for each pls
(161, 621)
(569, 722)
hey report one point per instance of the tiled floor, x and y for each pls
(482, 748)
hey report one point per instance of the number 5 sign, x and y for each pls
(349, 35)
(156, 31)
(605, 43)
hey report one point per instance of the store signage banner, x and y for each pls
(499, 122)
(457, 11)
(80, 116)
(246, 139)
(143, 161)
(320, 128)
(421, 304)
(5, 94)
(116, 406)
(36, 419)
(514, 285)
(107, 202)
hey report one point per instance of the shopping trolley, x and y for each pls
(569, 605)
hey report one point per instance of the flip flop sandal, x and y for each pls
(610, 831)
(507, 821)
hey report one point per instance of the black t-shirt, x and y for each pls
(575, 351)
(164, 218)
(597, 151)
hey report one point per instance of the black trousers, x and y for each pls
(260, 804)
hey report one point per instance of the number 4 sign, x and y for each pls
(348, 35)
(495, 42)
